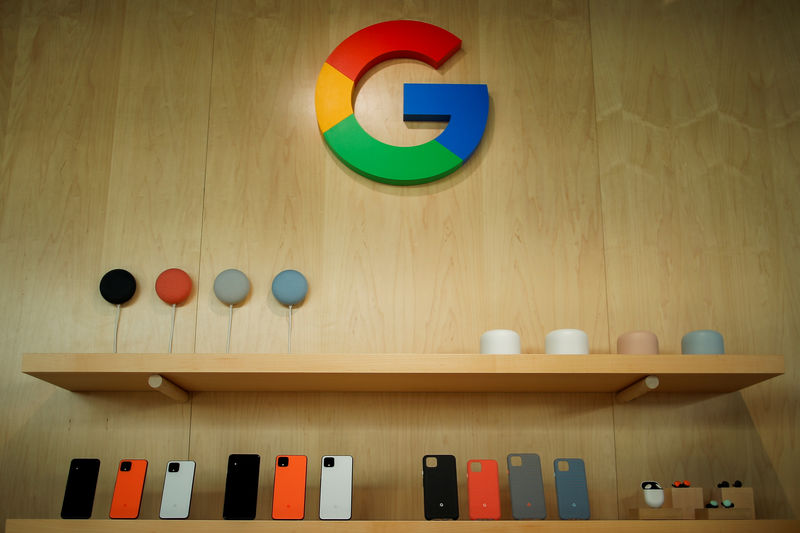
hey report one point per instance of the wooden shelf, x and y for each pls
(402, 372)
(213, 526)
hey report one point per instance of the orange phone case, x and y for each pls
(483, 488)
(289, 490)
(128, 488)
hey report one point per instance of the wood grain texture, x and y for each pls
(158, 164)
(390, 269)
(640, 169)
(542, 232)
(692, 236)
(91, 111)
(477, 526)
(402, 372)
(404, 259)
(775, 409)
(388, 434)
(264, 190)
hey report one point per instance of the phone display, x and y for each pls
(483, 489)
(571, 491)
(336, 488)
(81, 486)
(241, 487)
(440, 487)
(289, 490)
(527, 489)
(128, 489)
(177, 496)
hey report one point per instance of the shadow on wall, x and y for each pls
(702, 438)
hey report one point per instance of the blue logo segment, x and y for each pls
(464, 106)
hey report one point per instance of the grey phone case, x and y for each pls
(527, 489)
(571, 491)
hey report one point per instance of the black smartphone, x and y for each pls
(440, 487)
(81, 485)
(241, 487)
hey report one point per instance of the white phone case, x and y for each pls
(177, 496)
(336, 488)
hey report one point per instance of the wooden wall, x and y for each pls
(640, 169)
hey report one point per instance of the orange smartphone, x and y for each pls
(128, 489)
(289, 490)
(483, 487)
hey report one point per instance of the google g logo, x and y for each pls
(464, 106)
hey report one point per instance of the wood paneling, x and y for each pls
(387, 434)
(639, 169)
(543, 243)
(390, 269)
(692, 236)
(481, 526)
(102, 167)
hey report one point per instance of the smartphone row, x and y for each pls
(440, 485)
(439, 481)
(241, 488)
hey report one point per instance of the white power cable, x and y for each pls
(172, 329)
(230, 323)
(116, 327)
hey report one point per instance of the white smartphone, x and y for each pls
(177, 496)
(336, 488)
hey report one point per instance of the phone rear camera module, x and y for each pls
(125, 466)
(283, 461)
(327, 462)
(174, 467)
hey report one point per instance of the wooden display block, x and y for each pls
(725, 514)
(690, 498)
(742, 497)
(679, 504)
(662, 513)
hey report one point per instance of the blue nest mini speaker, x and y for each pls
(290, 287)
(702, 341)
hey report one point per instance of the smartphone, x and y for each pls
(571, 491)
(177, 496)
(128, 489)
(483, 489)
(336, 487)
(289, 490)
(440, 487)
(81, 485)
(527, 489)
(241, 487)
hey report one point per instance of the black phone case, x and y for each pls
(440, 488)
(241, 487)
(81, 486)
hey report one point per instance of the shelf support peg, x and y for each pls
(167, 388)
(640, 388)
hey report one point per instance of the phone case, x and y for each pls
(527, 489)
(128, 488)
(177, 496)
(336, 487)
(483, 489)
(440, 487)
(241, 487)
(571, 491)
(81, 486)
(289, 490)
